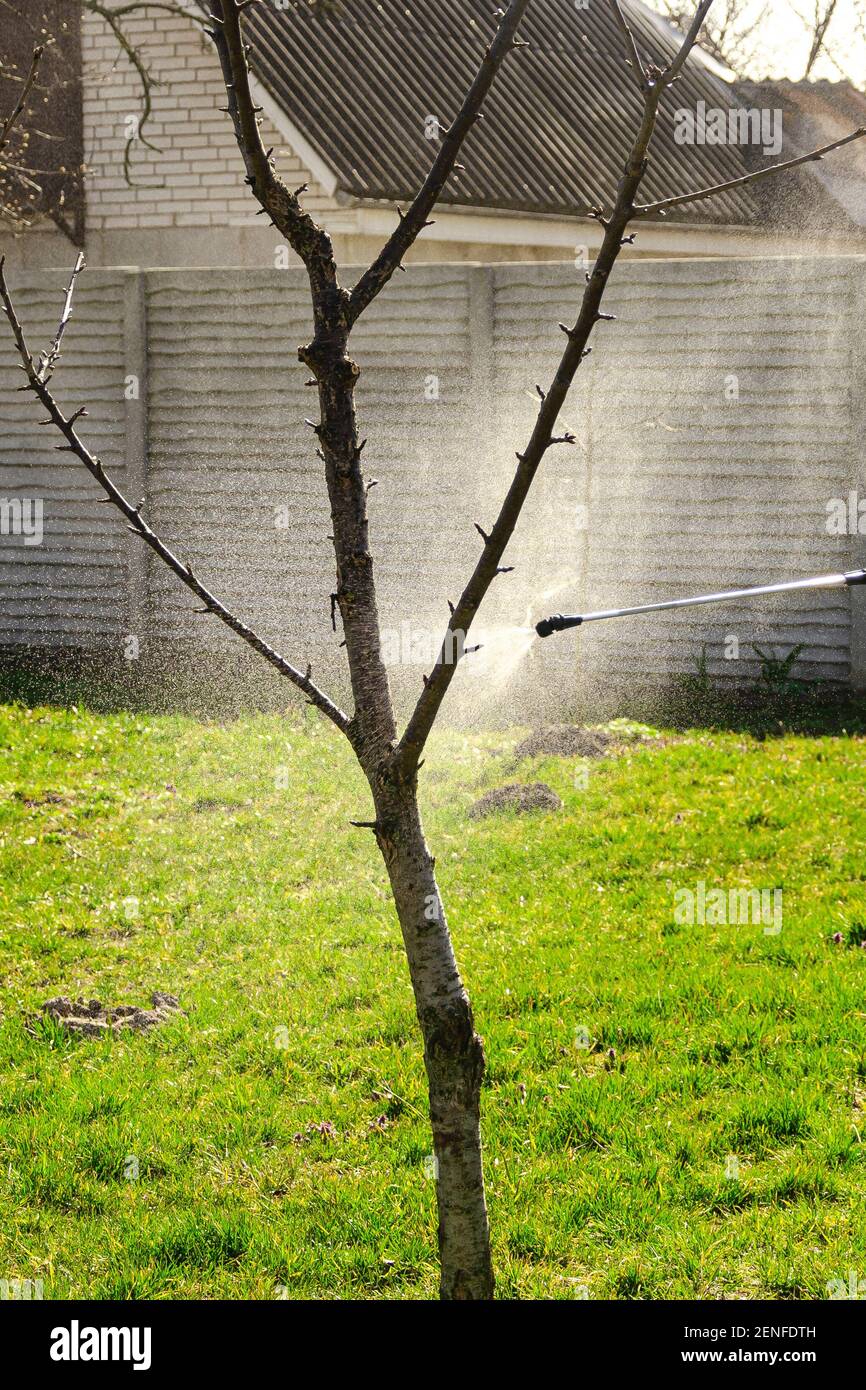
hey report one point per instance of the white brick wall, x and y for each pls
(195, 176)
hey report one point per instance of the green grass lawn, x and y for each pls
(279, 1128)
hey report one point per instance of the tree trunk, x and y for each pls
(453, 1052)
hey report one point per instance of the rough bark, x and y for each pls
(453, 1051)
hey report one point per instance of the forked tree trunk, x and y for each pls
(453, 1051)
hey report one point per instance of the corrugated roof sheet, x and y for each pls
(360, 83)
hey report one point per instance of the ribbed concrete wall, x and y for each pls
(727, 491)
(715, 420)
(720, 416)
(230, 457)
(73, 587)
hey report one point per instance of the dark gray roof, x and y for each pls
(359, 79)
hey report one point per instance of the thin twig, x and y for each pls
(651, 209)
(146, 81)
(18, 109)
(48, 360)
(674, 68)
(632, 54)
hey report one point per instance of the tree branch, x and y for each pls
(412, 223)
(113, 15)
(147, 82)
(17, 111)
(48, 360)
(822, 24)
(411, 745)
(306, 238)
(632, 55)
(675, 67)
(37, 382)
(661, 207)
(436, 685)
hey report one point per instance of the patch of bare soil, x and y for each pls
(47, 799)
(516, 796)
(216, 803)
(92, 1019)
(573, 741)
(566, 741)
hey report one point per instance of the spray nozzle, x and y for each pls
(557, 623)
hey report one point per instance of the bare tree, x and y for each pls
(41, 163)
(837, 50)
(39, 170)
(453, 1052)
(733, 35)
(739, 34)
(822, 17)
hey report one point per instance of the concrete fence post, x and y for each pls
(135, 393)
(857, 541)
